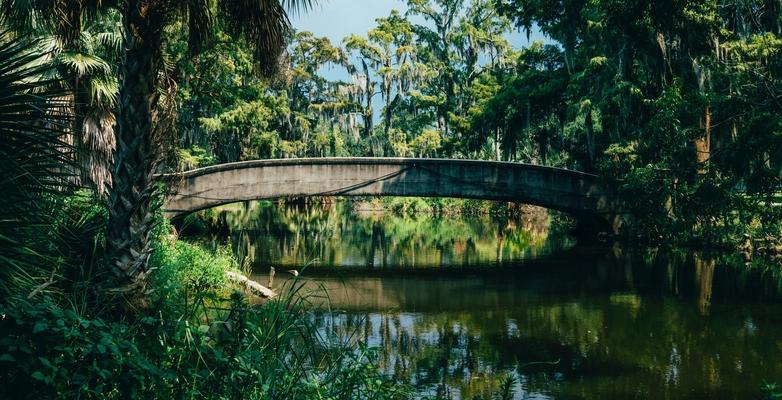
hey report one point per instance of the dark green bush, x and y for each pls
(771, 391)
(50, 352)
(266, 352)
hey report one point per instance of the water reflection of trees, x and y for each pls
(651, 324)
(623, 323)
(332, 234)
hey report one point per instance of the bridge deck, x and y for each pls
(554, 188)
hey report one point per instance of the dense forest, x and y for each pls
(674, 104)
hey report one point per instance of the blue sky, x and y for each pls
(336, 19)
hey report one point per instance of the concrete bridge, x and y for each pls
(554, 188)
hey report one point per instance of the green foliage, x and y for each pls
(409, 206)
(202, 340)
(50, 352)
(248, 130)
(507, 389)
(321, 117)
(771, 391)
(427, 143)
(187, 268)
(37, 164)
(681, 137)
(195, 157)
(253, 353)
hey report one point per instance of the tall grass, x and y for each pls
(200, 339)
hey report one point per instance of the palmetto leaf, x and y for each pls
(110, 40)
(85, 64)
(63, 17)
(264, 24)
(103, 91)
(298, 6)
(35, 163)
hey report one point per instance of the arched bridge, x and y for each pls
(553, 188)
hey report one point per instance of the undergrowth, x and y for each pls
(198, 339)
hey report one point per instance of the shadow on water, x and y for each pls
(569, 322)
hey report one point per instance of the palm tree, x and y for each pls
(88, 70)
(85, 65)
(262, 23)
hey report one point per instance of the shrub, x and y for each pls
(267, 352)
(50, 352)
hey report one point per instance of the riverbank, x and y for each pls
(453, 329)
(193, 336)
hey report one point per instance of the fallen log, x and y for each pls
(250, 285)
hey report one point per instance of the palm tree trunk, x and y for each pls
(130, 214)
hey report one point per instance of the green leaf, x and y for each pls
(45, 362)
(40, 327)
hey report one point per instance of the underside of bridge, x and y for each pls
(554, 188)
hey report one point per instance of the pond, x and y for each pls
(456, 304)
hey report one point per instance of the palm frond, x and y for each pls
(264, 24)
(111, 41)
(63, 18)
(87, 42)
(25, 16)
(298, 6)
(85, 64)
(200, 23)
(103, 91)
(36, 163)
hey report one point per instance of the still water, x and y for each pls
(455, 304)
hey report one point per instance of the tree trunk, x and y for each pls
(389, 114)
(368, 89)
(497, 152)
(130, 212)
(703, 143)
(79, 139)
(590, 137)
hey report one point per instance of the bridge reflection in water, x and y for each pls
(451, 318)
(355, 235)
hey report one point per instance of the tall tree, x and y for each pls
(369, 57)
(87, 70)
(263, 23)
(311, 96)
(437, 38)
(388, 59)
